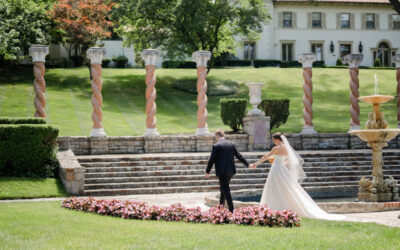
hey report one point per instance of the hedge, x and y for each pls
(21, 120)
(120, 61)
(27, 150)
(179, 64)
(232, 112)
(277, 109)
(266, 63)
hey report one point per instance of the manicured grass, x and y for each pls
(69, 93)
(45, 225)
(22, 188)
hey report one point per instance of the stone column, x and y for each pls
(150, 57)
(353, 60)
(38, 53)
(307, 60)
(201, 58)
(396, 60)
(95, 55)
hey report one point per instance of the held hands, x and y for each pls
(253, 165)
(207, 175)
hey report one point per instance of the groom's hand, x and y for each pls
(207, 175)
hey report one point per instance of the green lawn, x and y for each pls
(45, 225)
(23, 188)
(69, 93)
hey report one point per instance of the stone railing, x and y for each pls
(189, 143)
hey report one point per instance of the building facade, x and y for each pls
(329, 28)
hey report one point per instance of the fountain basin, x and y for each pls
(376, 135)
(376, 98)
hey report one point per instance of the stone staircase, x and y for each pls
(329, 173)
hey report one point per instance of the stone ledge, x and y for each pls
(71, 173)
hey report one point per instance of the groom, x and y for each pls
(222, 155)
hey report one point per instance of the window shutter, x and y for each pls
(294, 20)
(337, 20)
(280, 19)
(309, 20)
(352, 26)
(377, 22)
(363, 21)
(323, 20)
(390, 21)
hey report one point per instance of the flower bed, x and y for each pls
(256, 215)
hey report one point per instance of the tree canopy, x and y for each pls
(22, 23)
(82, 22)
(181, 27)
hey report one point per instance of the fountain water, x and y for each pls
(376, 134)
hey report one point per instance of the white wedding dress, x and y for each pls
(283, 191)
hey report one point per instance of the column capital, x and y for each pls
(95, 54)
(201, 57)
(396, 60)
(150, 56)
(307, 59)
(38, 52)
(353, 60)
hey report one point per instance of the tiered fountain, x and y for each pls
(376, 134)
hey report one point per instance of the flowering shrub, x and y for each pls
(255, 216)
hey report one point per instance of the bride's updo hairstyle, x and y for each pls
(277, 136)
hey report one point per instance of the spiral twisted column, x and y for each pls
(396, 60)
(307, 60)
(38, 54)
(150, 57)
(201, 58)
(353, 60)
(95, 54)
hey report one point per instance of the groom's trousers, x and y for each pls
(225, 190)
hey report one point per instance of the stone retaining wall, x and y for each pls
(83, 145)
(189, 143)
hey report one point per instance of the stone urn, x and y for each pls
(255, 98)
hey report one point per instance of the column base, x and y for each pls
(308, 130)
(255, 112)
(354, 127)
(202, 132)
(151, 132)
(98, 132)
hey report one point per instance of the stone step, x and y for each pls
(178, 189)
(319, 168)
(190, 183)
(204, 156)
(160, 164)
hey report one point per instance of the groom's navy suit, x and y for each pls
(222, 155)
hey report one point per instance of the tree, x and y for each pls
(182, 27)
(396, 5)
(22, 23)
(83, 23)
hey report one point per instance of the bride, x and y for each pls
(282, 189)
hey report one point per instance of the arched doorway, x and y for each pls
(384, 53)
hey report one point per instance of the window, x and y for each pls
(316, 20)
(317, 49)
(396, 21)
(345, 20)
(287, 20)
(249, 48)
(370, 21)
(287, 51)
(345, 49)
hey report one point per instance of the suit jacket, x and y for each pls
(222, 156)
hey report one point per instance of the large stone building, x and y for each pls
(329, 28)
